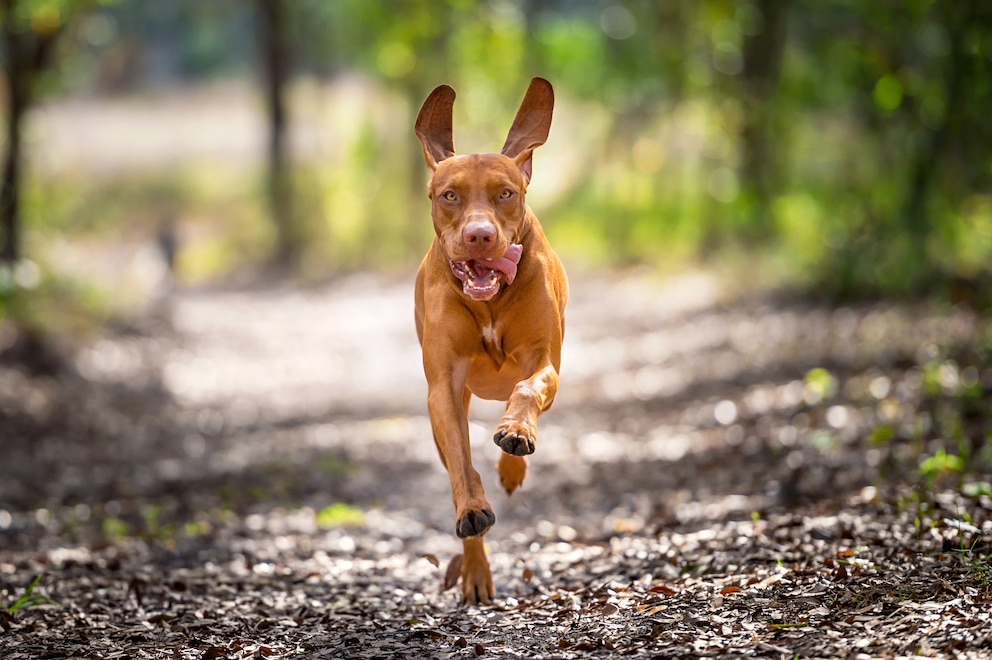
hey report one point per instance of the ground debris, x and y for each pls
(896, 599)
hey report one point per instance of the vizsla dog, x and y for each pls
(490, 303)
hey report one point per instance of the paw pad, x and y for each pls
(475, 523)
(512, 443)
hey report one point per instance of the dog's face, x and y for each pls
(477, 200)
(477, 204)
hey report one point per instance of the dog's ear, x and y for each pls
(531, 125)
(434, 128)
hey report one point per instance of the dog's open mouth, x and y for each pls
(481, 277)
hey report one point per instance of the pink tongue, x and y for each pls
(507, 264)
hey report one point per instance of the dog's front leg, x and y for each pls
(449, 421)
(477, 578)
(474, 514)
(516, 433)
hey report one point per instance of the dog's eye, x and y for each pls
(506, 194)
(450, 196)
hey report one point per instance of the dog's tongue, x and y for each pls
(507, 264)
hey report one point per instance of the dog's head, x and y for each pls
(477, 200)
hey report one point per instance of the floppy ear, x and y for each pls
(433, 126)
(531, 125)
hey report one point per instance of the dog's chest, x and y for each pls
(489, 335)
(492, 343)
(492, 373)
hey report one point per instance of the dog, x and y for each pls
(490, 301)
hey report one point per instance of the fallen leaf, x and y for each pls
(422, 634)
(649, 610)
(802, 623)
(161, 618)
(528, 575)
(730, 589)
(453, 573)
(432, 559)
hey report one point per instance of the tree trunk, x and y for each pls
(762, 55)
(16, 104)
(25, 54)
(926, 162)
(275, 66)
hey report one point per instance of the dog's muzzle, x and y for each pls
(481, 277)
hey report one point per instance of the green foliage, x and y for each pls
(977, 488)
(820, 384)
(29, 598)
(115, 528)
(854, 158)
(47, 15)
(340, 513)
(941, 463)
(39, 300)
(882, 434)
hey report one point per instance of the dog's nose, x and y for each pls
(479, 232)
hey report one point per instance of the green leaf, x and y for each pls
(941, 462)
(977, 488)
(820, 384)
(29, 598)
(114, 528)
(882, 434)
(888, 93)
(340, 513)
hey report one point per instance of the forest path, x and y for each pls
(249, 473)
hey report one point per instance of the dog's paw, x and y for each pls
(477, 585)
(475, 577)
(475, 522)
(514, 443)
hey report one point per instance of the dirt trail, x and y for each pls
(250, 473)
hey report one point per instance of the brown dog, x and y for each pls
(490, 303)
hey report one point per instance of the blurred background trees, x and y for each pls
(832, 144)
(30, 30)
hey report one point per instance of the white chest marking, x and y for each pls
(489, 334)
